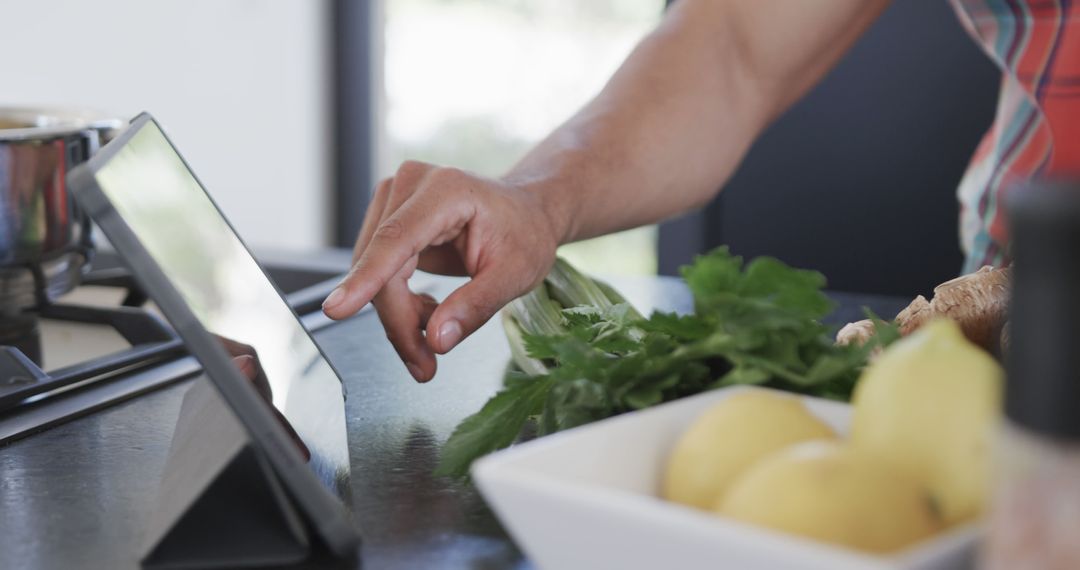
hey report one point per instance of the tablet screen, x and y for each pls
(171, 214)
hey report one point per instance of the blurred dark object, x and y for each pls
(1043, 390)
(858, 180)
(1036, 502)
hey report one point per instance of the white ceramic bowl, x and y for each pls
(588, 498)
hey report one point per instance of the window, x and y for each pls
(475, 83)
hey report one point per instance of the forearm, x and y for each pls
(676, 119)
(665, 133)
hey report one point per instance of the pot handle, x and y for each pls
(100, 134)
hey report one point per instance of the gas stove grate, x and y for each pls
(32, 400)
(23, 382)
(151, 342)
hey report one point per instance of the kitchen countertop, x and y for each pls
(79, 494)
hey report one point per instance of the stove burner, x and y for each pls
(22, 332)
(21, 377)
(29, 285)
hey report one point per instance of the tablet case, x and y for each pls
(223, 499)
(220, 504)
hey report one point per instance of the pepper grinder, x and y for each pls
(1035, 507)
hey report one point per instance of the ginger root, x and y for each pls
(855, 333)
(978, 302)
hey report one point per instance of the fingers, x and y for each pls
(450, 222)
(418, 223)
(246, 365)
(443, 259)
(372, 217)
(247, 360)
(249, 366)
(235, 348)
(428, 304)
(389, 195)
(404, 315)
(470, 306)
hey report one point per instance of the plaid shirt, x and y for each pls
(1036, 131)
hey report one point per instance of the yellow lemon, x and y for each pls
(928, 404)
(833, 493)
(731, 436)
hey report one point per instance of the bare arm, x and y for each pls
(664, 134)
(676, 119)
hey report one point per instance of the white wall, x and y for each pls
(241, 86)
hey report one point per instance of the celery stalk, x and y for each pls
(572, 289)
(539, 312)
(526, 363)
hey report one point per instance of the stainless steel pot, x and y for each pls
(44, 238)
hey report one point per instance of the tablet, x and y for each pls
(191, 262)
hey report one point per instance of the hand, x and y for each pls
(247, 361)
(447, 221)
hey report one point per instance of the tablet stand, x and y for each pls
(220, 503)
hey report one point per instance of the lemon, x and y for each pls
(731, 436)
(928, 404)
(833, 493)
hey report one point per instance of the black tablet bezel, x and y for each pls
(328, 515)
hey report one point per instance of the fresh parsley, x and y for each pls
(755, 323)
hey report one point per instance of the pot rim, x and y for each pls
(52, 122)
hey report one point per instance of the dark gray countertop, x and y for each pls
(78, 495)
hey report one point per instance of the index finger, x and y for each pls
(371, 217)
(419, 222)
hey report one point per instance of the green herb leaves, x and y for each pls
(495, 426)
(598, 357)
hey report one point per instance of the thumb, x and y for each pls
(469, 307)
